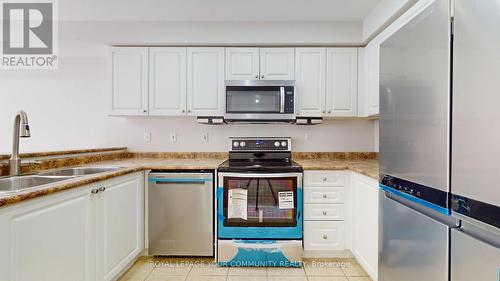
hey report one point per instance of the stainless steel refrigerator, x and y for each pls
(439, 184)
(475, 165)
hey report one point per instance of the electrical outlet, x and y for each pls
(173, 137)
(308, 137)
(147, 137)
(204, 137)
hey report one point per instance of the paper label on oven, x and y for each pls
(285, 199)
(237, 203)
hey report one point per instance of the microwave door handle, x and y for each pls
(282, 99)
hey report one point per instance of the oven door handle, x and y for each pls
(282, 99)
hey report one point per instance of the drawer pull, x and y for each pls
(324, 179)
(324, 213)
(324, 196)
(325, 237)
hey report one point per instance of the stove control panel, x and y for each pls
(260, 144)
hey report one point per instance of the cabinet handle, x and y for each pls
(102, 188)
(262, 76)
(183, 111)
(257, 76)
(144, 110)
(324, 111)
(94, 191)
(324, 178)
(325, 237)
(329, 111)
(324, 213)
(189, 111)
(324, 196)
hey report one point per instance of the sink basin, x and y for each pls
(79, 171)
(16, 184)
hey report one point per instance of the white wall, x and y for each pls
(67, 107)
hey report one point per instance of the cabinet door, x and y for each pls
(242, 63)
(310, 85)
(205, 81)
(277, 63)
(120, 225)
(129, 81)
(341, 82)
(167, 81)
(49, 239)
(365, 203)
(373, 67)
(323, 235)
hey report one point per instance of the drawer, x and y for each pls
(324, 178)
(322, 195)
(323, 235)
(324, 212)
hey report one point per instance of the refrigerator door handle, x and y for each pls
(442, 218)
(484, 234)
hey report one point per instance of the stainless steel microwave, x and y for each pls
(260, 101)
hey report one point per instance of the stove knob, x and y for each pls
(284, 143)
(277, 143)
(236, 144)
(243, 144)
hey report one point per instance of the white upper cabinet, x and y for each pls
(260, 63)
(167, 81)
(310, 85)
(205, 81)
(341, 82)
(373, 75)
(368, 82)
(277, 63)
(129, 74)
(242, 64)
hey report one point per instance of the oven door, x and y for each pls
(259, 101)
(259, 206)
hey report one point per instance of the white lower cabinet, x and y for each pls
(324, 213)
(49, 239)
(365, 222)
(324, 235)
(341, 214)
(57, 237)
(120, 225)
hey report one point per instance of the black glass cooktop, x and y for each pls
(267, 166)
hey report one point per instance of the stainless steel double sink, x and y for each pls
(20, 183)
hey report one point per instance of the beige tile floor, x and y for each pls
(194, 269)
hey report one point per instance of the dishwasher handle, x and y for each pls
(179, 180)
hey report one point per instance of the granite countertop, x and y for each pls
(367, 167)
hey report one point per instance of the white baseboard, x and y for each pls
(372, 272)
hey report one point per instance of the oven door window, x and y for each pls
(270, 202)
(262, 99)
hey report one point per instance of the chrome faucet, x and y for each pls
(21, 129)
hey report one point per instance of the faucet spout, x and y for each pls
(21, 130)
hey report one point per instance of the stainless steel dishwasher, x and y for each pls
(181, 213)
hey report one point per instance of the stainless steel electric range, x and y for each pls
(259, 204)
